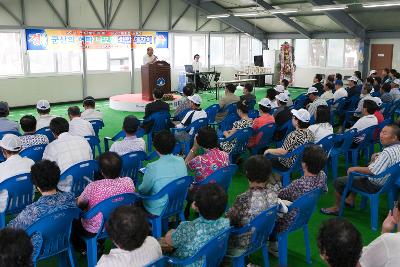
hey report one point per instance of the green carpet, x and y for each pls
(113, 121)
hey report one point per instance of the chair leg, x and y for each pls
(334, 163)
(91, 247)
(307, 242)
(149, 143)
(364, 201)
(238, 261)
(285, 179)
(181, 217)
(282, 249)
(157, 228)
(265, 255)
(71, 256)
(374, 203)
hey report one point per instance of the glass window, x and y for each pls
(139, 54)
(256, 48)
(301, 52)
(69, 61)
(335, 52)
(231, 51)
(199, 47)
(120, 59)
(317, 52)
(244, 50)
(351, 47)
(162, 54)
(217, 50)
(10, 53)
(273, 44)
(182, 52)
(42, 61)
(97, 59)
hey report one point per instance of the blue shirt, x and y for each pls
(157, 175)
(43, 206)
(8, 125)
(191, 236)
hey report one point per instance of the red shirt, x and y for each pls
(257, 124)
(380, 119)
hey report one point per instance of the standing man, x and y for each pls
(149, 58)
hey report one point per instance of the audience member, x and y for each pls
(301, 135)
(282, 115)
(229, 98)
(378, 114)
(392, 74)
(271, 95)
(77, 125)
(322, 126)
(357, 74)
(129, 230)
(318, 84)
(28, 125)
(157, 105)
(368, 118)
(45, 176)
(339, 243)
(340, 91)
(44, 118)
(329, 88)
(67, 150)
(264, 108)
(377, 84)
(130, 143)
(365, 95)
(247, 93)
(372, 74)
(330, 79)
(15, 248)
(285, 84)
(338, 76)
(5, 123)
(196, 112)
(244, 122)
(390, 140)
(162, 171)
(261, 195)
(352, 89)
(90, 113)
(315, 100)
(184, 103)
(386, 97)
(210, 202)
(385, 75)
(395, 92)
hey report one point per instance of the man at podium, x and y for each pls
(149, 57)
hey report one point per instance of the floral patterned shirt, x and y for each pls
(33, 140)
(293, 141)
(190, 236)
(204, 165)
(241, 124)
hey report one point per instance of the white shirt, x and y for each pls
(80, 127)
(327, 95)
(395, 93)
(198, 114)
(127, 145)
(339, 93)
(321, 130)
(382, 252)
(91, 114)
(361, 102)
(274, 104)
(148, 59)
(147, 253)
(196, 65)
(365, 122)
(43, 121)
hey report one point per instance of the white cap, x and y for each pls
(43, 104)
(11, 142)
(312, 90)
(195, 99)
(301, 114)
(282, 97)
(353, 78)
(279, 88)
(372, 72)
(265, 102)
(396, 81)
(378, 101)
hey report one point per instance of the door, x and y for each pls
(381, 57)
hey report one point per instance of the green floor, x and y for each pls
(113, 121)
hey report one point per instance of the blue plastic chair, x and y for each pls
(330, 102)
(300, 101)
(176, 192)
(20, 194)
(327, 143)
(343, 143)
(288, 128)
(192, 129)
(222, 177)
(161, 121)
(352, 102)
(54, 231)
(104, 208)
(97, 126)
(253, 114)
(241, 136)
(34, 153)
(389, 187)
(230, 108)
(47, 132)
(392, 110)
(251, 104)
(80, 175)
(364, 146)
(161, 262)
(337, 109)
(131, 163)
(267, 133)
(305, 207)
(94, 143)
(212, 113)
(181, 114)
(227, 122)
(260, 228)
(116, 137)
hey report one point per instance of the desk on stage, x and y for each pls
(244, 74)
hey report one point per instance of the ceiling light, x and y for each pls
(218, 16)
(329, 7)
(246, 14)
(381, 4)
(282, 11)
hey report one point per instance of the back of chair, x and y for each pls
(327, 143)
(131, 163)
(300, 101)
(366, 136)
(352, 102)
(267, 133)
(54, 230)
(253, 113)
(47, 132)
(231, 108)
(330, 102)
(160, 119)
(2, 134)
(212, 112)
(195, 126)
(81, 174)
(392, 175)
(305, 206)
(20, 194)
(251, 104)
(35, 153)
(347, 138)
(94, 143)
(227, 123)
(286, 128)
(97, 126)
(242, 137)
(222, 177)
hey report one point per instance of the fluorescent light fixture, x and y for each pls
(218, 16)
(329, 7)
(253, 14)
(381, 4)
(282, 11)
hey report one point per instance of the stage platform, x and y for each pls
(135, 103)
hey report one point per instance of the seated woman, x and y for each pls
(301, 135)
(264, 107)
(271, 94)
(210, 201)
(45, 176)
(110, 184)
(244, 122)
(322, 126)
(261, 195)
(129, 231)
(313, 162)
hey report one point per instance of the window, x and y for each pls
(199, 47)
(182, 55)
(231, 49)
(10, 53)
(335, 52)
(273, 44)
(244, 59)
(217, 50)
(69, 61)
(317, 52)
(301, 52)
(120, 59)
(351, 47)
(256, 48)
(42, 61)
(97, 59)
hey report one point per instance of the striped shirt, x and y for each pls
(386, 159)
(314, 105)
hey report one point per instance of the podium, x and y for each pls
(156, 75)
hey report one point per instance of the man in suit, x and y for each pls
(156, 106)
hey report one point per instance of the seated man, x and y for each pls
(247, 93)
(90, 113)
(389, 137)
(28, 125)
(282, 114)
(365, 95)
(315, 100)
(184, 102)
(264, 107)
(339, 91)
(77, 125)
(229, 98)
(130, 143)
(328, 94)
(318, 84)
(386, 97)
(15, 248)
(156, 106)
(395, 91)
(129, 231)
(44, 118)
(6, 124)
(367, 120)
(162, 171)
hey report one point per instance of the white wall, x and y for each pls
(396, 50)
(304, 75)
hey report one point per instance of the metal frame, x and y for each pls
(96, 12)
(181, 16)
(54, 9)
(150, 13)
(9, 12)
